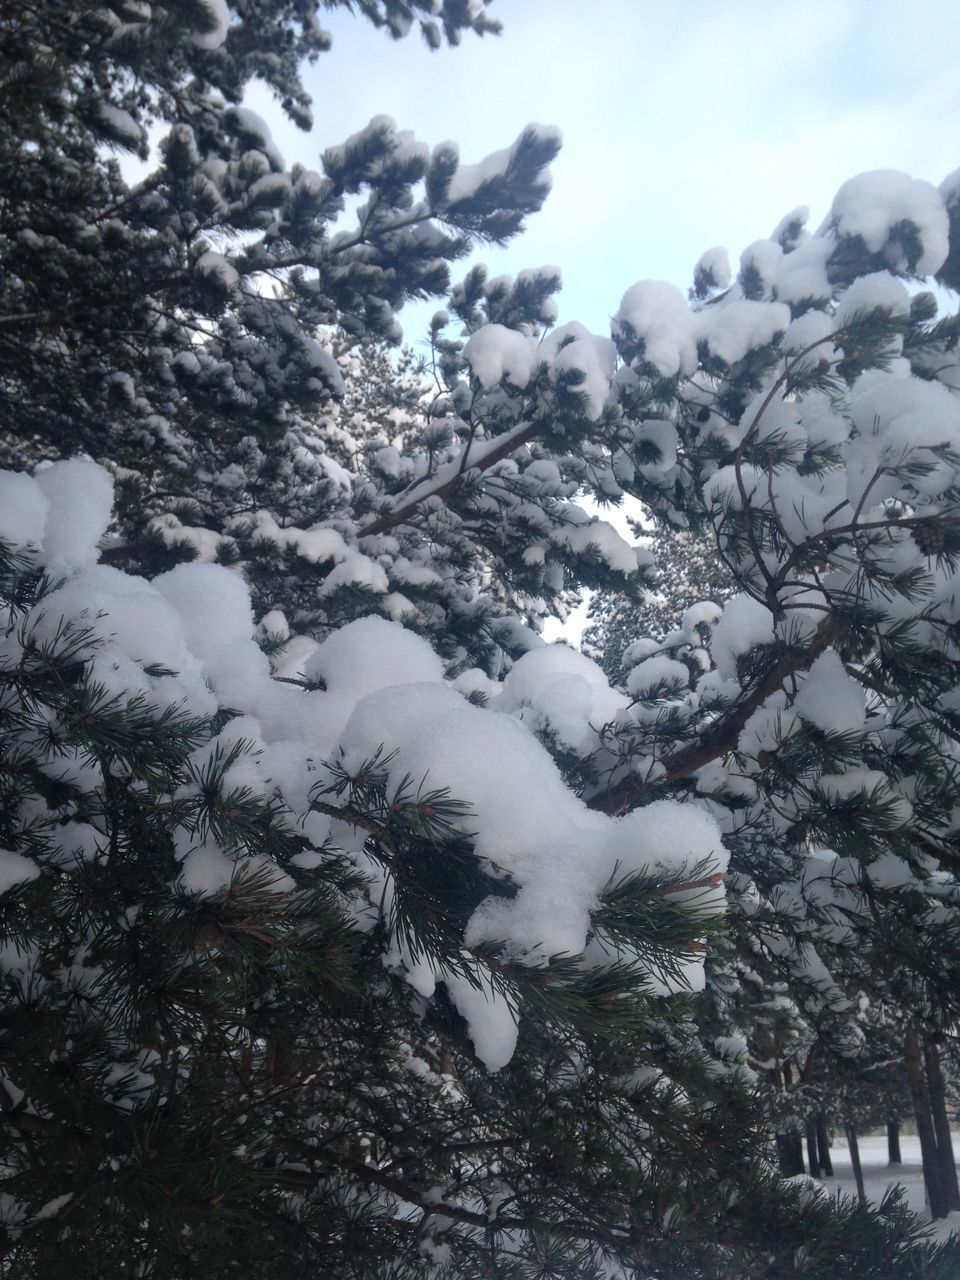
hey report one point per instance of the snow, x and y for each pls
(23, 509)
(80, 498)
(256, 128)
(878, 1175)
(830, 698)
(15, 869)
(213, 604)
(764, 257)
(219, 16)
(735, 328)
(803, 273)
(879, 291)
(874, 204)
(496, 352)
(372, 654)
(121, 124)
(215, 264)
(659, 670)
(469, 178)
(603, 539)
(491, 1018)
(554, 687)
(743, 624)
(658, 316)
(583, 360)
(714, 266)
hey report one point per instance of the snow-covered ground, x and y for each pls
(878, 1175)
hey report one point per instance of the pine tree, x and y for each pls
(689, 573)
(346, 926)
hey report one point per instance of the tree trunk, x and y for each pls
(941, 1125)
(854, 1146)
(893, 1143)
(790, 1151)
(813, 1159)
(823, 1146)
(932, 1178)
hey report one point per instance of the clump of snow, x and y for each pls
(639, 649)
(743, 624)
(80, 498)
(761, 261)
(372, 654)
(830, 698)
(219, 16)
(874, 205)
(469, 178)
(496, 352)
(15, 869)
(656, 314)
(603, 539)
(657, 671)
(491, 1017)
(557, 688)
(877, 292)
(583, 360)
(23, 509)
(713, 268)
(215, 264)
(733, 329)
(121, 124)
(213, 603)
(703, 613)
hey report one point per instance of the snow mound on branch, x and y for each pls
(372, 654)
(670, 334)
(15, 869)
(658, 316)
(214, 606)
(80, 495)
(219, 17)
(657, 671)
(496, 352)
(559, 689)
(830, 698)
(63, 511)
(23, 509)
(743, 624)
(876, 205)
(383, 693)
(877, 292)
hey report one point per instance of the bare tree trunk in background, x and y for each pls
(893, 1143)
(932, 1179)
(813, 1157)
(823, 1146)
(941, 1124)
(854, 1146)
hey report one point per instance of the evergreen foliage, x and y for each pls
(345, 926)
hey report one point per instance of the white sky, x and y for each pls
(686, 123)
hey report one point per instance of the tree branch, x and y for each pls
(720, 739)
(443, 490)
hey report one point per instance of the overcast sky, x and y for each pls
(686, 123)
